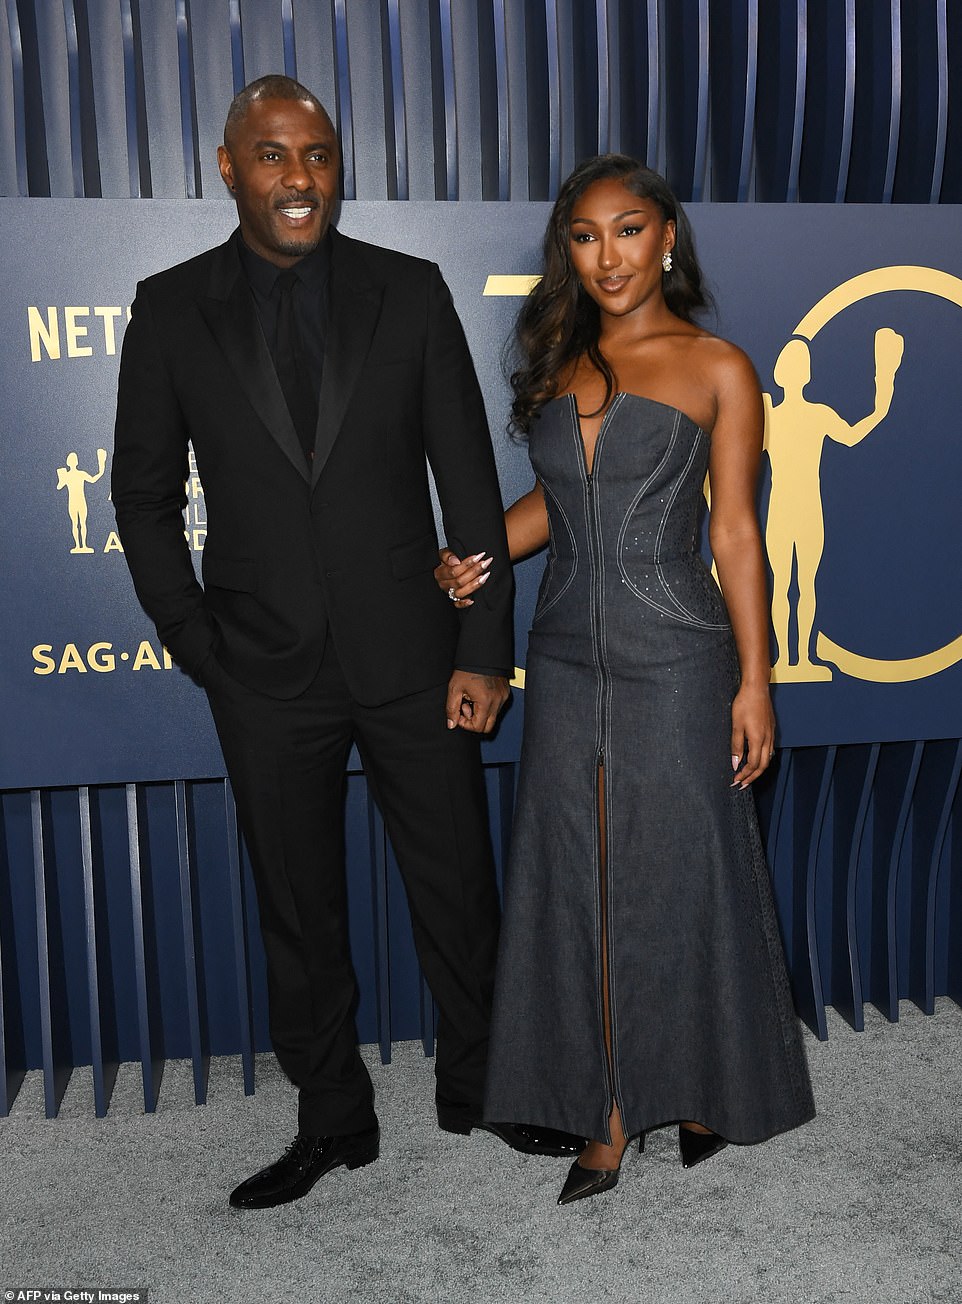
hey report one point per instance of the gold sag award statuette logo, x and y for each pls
(75, 481)
(795, 431)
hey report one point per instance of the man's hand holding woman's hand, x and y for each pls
(473, 700)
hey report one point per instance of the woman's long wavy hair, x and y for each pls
(559, 322)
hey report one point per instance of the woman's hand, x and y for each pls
(459, 578)
(753, 734)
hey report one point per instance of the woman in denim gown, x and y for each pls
(641, 975)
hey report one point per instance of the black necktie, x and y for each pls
(293, 370)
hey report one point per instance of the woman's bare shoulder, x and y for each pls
(723, 365)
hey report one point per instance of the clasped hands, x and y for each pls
(474, 701)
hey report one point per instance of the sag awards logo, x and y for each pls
(100, 656)
(75, 480)
(795, 432)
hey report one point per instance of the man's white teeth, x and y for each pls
(295, 212)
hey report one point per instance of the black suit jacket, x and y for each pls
(347, 542)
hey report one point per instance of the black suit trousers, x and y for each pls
(286, 761)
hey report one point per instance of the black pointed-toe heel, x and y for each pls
(583, 1182)
(696, 1147)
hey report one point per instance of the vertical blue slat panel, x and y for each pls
(54, 1025)
(345, 112)
(553, 51)
(533, 76)
(314, 33)
(751, 92)
(145, 951)
(942, 119)
(13, 136)
(516, 125)
(952, 921)
(504, 119)
(778, 848)
(731, 88)
(188, 112)
(819, 890)
(103, 1052)
(450, 102)
(604, 76)
(135, 107)
(895, 102)
(853, 898)
(103, 75)
(812, 767)
(465, 61)
(51, 46)
(367, 102)
(263, 33)
(92, 139)
(700, 161)
(235, 880)
(74, 98)
(935, 870)
(212, 69)
(798, 116)
(890, 1008)
(848, 114)
(578, 89)
(428, 1016)
(932, 804)
(193, 956)
(493, 127)
(160, 69)
(290, 45)
(397, 180)
(235, 24)
(13, 1059)
(654, 151)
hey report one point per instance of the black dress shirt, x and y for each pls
(310, 299)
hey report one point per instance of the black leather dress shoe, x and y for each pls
(304, 1161)
(526, 1137)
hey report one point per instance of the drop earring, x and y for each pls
(666, 261)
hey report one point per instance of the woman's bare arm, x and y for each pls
(736, 544)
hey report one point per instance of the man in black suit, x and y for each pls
(315, 377)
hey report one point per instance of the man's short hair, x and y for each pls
(272, 87)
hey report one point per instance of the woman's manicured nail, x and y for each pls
(735, 760)
(485, 564)
(484, 578)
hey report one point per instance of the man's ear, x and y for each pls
(226, 167)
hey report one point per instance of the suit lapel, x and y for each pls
(229, 311)
(354, 309)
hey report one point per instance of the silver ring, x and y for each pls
(451, 594)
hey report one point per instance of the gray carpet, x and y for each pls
(864, 1204)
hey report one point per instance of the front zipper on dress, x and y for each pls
(596, 564)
